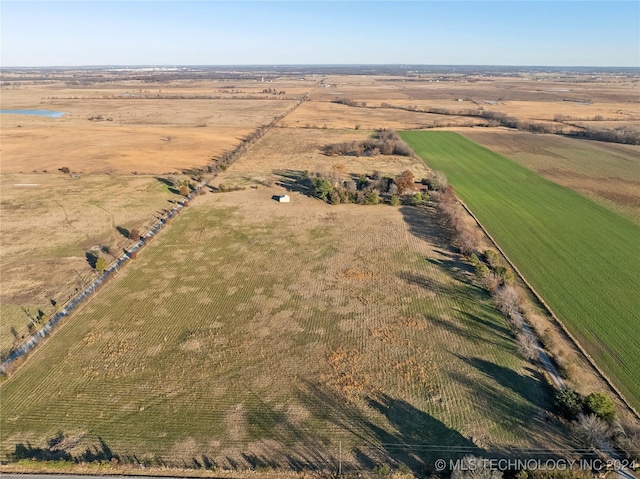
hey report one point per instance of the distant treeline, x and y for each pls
(135, 96)
(622, 134)
(228, 157)
(386, 142)
(349, 102)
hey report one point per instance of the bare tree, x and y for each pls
(404, 181)
(508, 300)
(528, 346)
(593, 431)
(467, 240)
(173, 179)
(439, 181)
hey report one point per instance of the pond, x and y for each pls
(50, 114)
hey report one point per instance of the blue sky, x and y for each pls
(572, 33)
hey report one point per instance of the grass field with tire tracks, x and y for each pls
(252, 333)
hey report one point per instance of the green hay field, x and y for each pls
(607, 173)
(582, 258)
(252, 334)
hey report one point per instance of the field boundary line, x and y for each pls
(589, 359)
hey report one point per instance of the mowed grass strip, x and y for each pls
(582, 258)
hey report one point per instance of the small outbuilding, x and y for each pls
(284, 199)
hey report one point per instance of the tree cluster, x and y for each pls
(349, 102)
(562, 118)
(627, 135)
(463, 236)
(385, 142)
(593, 420)
(491, 271)
(273, 91)
(338, 186)
(99, 118)
(185, 187)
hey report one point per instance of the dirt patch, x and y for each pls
(352, 273)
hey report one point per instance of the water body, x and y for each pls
(49, 113)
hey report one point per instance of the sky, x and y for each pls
(537, 33)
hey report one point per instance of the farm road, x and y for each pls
(545, 360)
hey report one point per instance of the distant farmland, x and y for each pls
(582, 258)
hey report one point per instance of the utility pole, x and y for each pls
(340, 461)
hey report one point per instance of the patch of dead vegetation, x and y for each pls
(235, 422)
(354, 274)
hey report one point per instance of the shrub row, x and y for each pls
(623, 134)
(385, 142)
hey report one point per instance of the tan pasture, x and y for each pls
(49, 221)
(126, 135)
(293, 150)
(314, 114)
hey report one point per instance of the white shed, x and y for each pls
(284, 199)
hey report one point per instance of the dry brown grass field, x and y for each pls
(151, 136)
(49, 223)
(320, 114)
(536, 98)
(281, 155)
(296, 150)
(260, 335)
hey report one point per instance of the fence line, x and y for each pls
(85, 294)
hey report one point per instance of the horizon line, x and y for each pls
(244, 65)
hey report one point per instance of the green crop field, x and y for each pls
(607, 173)
(581, 257)
(252, 334)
